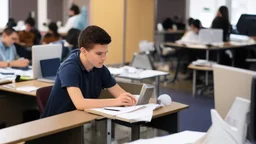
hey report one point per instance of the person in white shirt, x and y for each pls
(192, 35)
(74, 12)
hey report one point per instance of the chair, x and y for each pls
(42, 96)
(142, 61)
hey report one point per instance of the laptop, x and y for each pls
(49, 68)
(210, 36)
(44, 52)
(145, 94)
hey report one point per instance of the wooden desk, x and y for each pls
(10, 88)
(165, 118)
(69, 127)
(226, 45)
(14, 103)
(195, 69)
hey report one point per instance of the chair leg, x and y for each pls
(194, 83)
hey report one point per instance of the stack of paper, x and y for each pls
(201, 62)
(133, 113)
(27, 88)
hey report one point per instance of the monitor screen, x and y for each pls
(252, 125)
(49, 67)
(246, 25)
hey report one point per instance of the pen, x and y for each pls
(111, 109)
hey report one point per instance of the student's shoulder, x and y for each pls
(71, 62)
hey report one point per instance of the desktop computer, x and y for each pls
(251, 135)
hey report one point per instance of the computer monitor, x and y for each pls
(246, 25)
(252, 125)
(210, 36)
(43, 52)
(229, 83)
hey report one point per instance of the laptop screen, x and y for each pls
(49, 67)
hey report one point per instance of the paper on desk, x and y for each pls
(121, 110)
(185, 137)
(11, 71)
(144, 114)
(27, 88)
(114, 71)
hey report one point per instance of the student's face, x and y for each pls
(28, 27)
(194, 29)
(11, 39)
(97, 55)
(71, 13)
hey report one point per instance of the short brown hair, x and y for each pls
(93, 35)
(8, 31)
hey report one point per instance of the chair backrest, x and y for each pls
(142, 61)
(42, 95)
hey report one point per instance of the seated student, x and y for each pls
(192, 34)
(52, 35)
(8, 54)
(29, 36)
(73, 15)
(82, 76)
(72, 37)
(82, 19)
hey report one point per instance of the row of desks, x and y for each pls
(68, 127)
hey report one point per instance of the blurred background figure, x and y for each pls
(73, 12)
(52, 35)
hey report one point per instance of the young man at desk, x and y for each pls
(8, 54)
(82, 76)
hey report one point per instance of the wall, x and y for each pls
(139, 25)
(19, 9)
(108, 14)
(55, 10)
(170, 8)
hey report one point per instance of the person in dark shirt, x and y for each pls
(52, 35)
(30, 36)
(82, 76)
(221, 21)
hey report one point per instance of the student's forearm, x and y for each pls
(3, 64)
(96, 103)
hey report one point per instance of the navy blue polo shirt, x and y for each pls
(72, 73)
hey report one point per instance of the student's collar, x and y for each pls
(3, 45)
(82, 66)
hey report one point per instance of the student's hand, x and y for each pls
(19, 63)
(126, 99)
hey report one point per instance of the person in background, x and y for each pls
(52, 35)
(190, 21)
(221, 21)
(8, 54)
(11, 23)
(192, 34)
(82, 76)
(74, 12)
(30, 36)
(82, 20)
(168, 24)
(72, 37)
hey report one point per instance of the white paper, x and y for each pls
(185, 137)
(144, 114)
(114, 71)
(27, 73)
(27, 88)
(121, 110)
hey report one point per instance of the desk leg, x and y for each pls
(157, 81)
(194, 83)
(109, 126)
(135, 132)
(206, 73)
